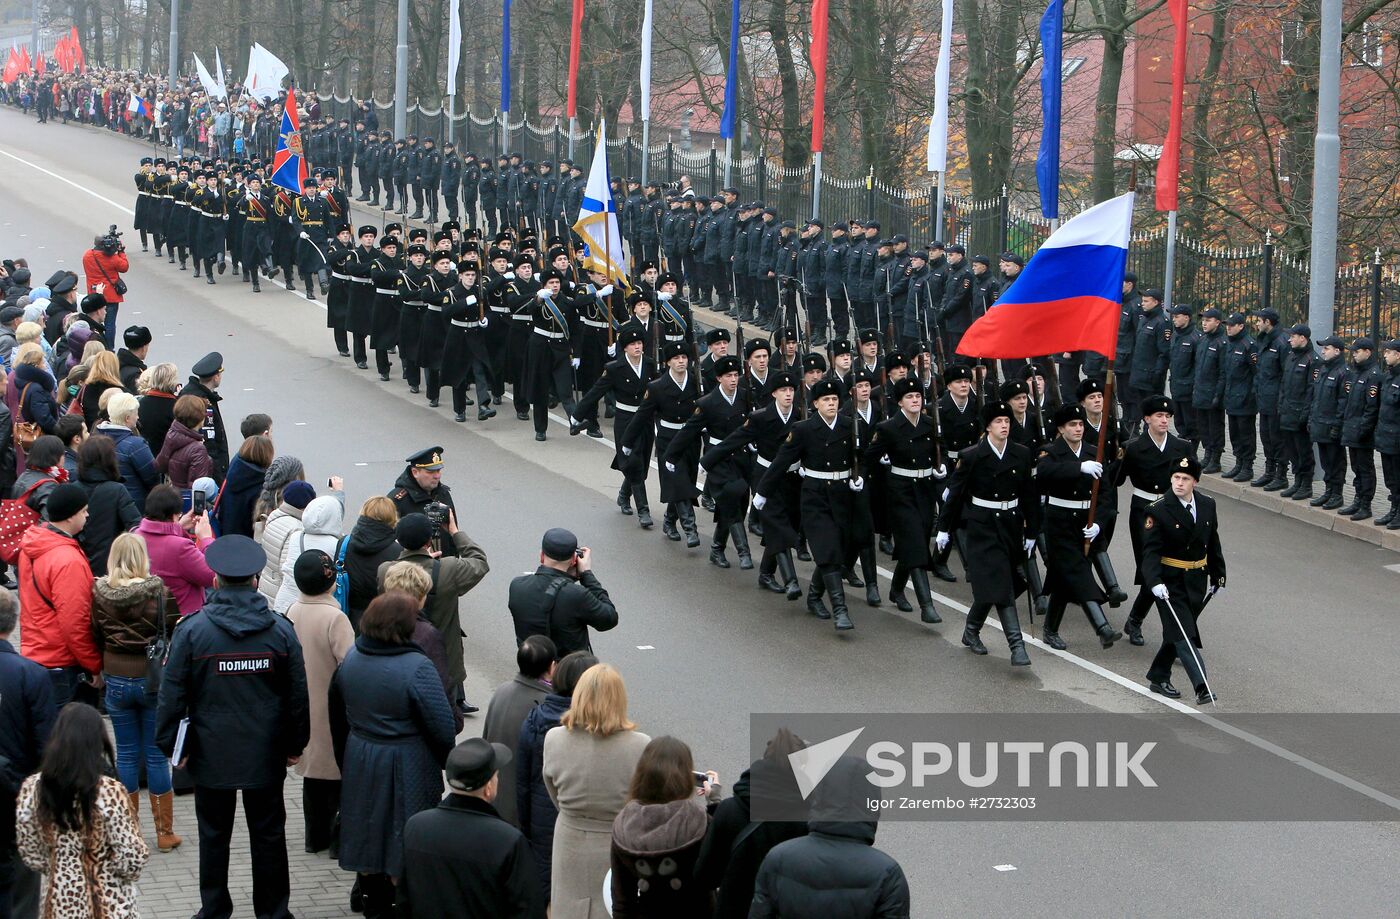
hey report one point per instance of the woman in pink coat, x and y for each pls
(176, 545)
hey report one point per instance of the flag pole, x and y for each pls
(938, 209)
(1169, 281)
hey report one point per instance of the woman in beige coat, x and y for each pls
(588, 764)
(326, 637)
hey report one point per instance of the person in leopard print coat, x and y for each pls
(75, 826)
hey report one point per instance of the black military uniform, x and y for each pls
(1107, 511)
(384, 277)
(429, 180)
(451, 179)
(215, 438)
(1294, 405)
(1241, 404)
(1186, 343)
(667, 404)
(412, 286)
(338, 300)
(1268, 381)
(717, 415)
(432, 334)
(360, 320)
(312, 217)
(627, 381)
(411, 498)
(1148, 465)
(255, 206)
(1363, 390)
(992, 496)
(1181, 552)
(1325, 424)
(465, 355)
(1208, 392)
(914, 469)
(1065, 475)
(550, 356)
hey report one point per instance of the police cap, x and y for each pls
(235, 556)
(209, 365)
(428, 459)
(1211, 312)
(1363, 344)
(1182, 309)
(1331, 341)
(1235, 319)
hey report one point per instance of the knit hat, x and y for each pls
(65, 501)
(298, 494)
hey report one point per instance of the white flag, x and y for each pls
(454, 46)
(938, 127)
(265, 73)
(219, 71)
(215, 88)
(646, 62)
(597, 218)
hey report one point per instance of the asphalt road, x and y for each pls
(1303, 626)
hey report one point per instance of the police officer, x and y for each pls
(955, 315)
(1363, 391)
(420, 485)
(1208, 389)
(235, 670)
(812, 274)
(1268, 380)
(471, 182)
(205, 377)
(1325, 422)
(451, 180)
(1294, 406)
(1183, 562)
(1388, 432)
(1240, 403)
(992, 498)
(1186, 340)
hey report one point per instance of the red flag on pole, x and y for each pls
(819, 22)
(11, 67)
(1169, 166)
(25, 65)
(39, 66)
(575, 39)
(78, 60)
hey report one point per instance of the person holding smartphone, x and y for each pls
(563, 597)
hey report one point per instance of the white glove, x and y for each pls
(941, 472)
(605, 291)
(471, 301)
(1160, 592)
(885, 460)
(857, 484)
(1091, 532)
(663, 296)
(542, 293)
(1030, 547)
(946, 493)
(1090, 467)
(758, 502)
(670, 467)
(304, 235)
(626, 451)
(574, 362)
(941, 541)
(612, 350)
(483, 321)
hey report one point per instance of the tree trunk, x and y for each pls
(796, 144)
(367, 24)
(1115, 44)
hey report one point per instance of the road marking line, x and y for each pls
(67, 181)
(1004, 867)
(646, 647)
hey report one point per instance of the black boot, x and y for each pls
(624, 501)
(1350, 509)
(1265, 477)
(971, 636)
(1104, 566)
(310, 290)
(644, 516)
(1279, 482)
(755, 525)
(1303, 491)
(788, 571)
(1233, 471)
(802, 554)
(668, 524)
(815, 606)
(741, 546)
(1107, 633)
(1211, 465)
(1387, 516)
(1245, 474)
(1334, 502)
(1133, 629)
(1323, 498)
(872, 583)
(1289, 490)
(1036, 585)
(692, 532)
(1011, 625)
(1050, 628)
(837, 590)
(940, 568)
(887, 545)
(850, 577)
(927, 612)
(717, 548)
(901, 578)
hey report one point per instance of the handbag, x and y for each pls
(118, 286)
(156, 652)
(342, 577)
(75, 404)
(26, 432)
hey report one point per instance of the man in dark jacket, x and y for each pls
(1325, 422)
(1294, 404)
(26, 717)
(205, 377)
(1362, 406)
(1208, 390)
(1241, 403)
(234, 710)
(563, 597)
(461, 858)
(1186, 339)
(512, 702)
(1273, 354)
(835, 869)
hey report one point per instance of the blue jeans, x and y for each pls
(133, 712)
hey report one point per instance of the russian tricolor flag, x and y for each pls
(137, 106)
(1069, 295)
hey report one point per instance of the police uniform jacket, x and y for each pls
(994, 501)
(1241, 365)
(768, 233)
(1186, 556)
(1329, 399)
(956, 311)
(833, 516)
(1268, 380)
(1296, 388)
(1068, 491)
(1209, 391)
(834, 265)
(910, 491)
(1185, 345)
(1362, 393)
(1388, 412)
(1151, 352)
(666, 406)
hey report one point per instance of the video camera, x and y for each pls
(111, 243)
(436, 512)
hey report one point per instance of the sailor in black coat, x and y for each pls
(668, 403)
(551, 356)
(384, 323)
(907, 446)
(626, 380)
(762, 434)
(827, 446)
(359, 321)
(1065, 473)
(866, 412)
(1184, 566)
(718, 414)
(1148, 461)
(1090, 395)
(465, 357)
(992, 496)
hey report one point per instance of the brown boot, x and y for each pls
(133, 801)
(162, 808)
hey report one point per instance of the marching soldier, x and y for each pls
(520, 299)
(1362, 395)
(907, 446)
(340, 252)
(1183, 562)
(1065, 474)
(311, 216)
(256, 254)
(551, 358)
(668, 403)
(384, 276)
(673, 312)
(626, 379)
(412, 284)
(432, 335)
(1091, 396)
(961, 425)
(992, 498)
(359, 322)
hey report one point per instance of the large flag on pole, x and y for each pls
(137, 106)
(454, 45)
(265, 73)
(79, 61)
(505, 56)
(1047, 162)
(731, 76)
(938, 127)
(219, 71)
(215, 88)
(1069, 296)
(1169, 166)
(597, 218)
(288, 163)
(819, 24)
(646, 61)
(575, 46)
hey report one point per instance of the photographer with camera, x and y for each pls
(563, 597)
(103, 266)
